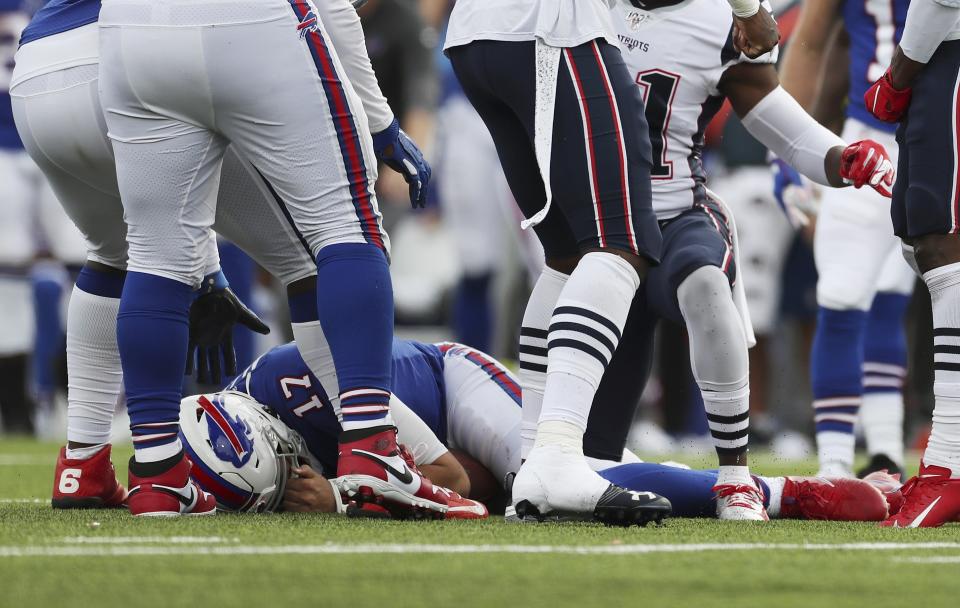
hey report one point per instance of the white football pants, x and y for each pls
(58, 114)
(856, 252)
(180, 80)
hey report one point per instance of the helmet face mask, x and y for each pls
(241, 454)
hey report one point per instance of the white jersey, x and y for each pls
(677, 55)
(560, 23)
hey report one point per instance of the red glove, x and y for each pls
(867, 163)
(885, 102)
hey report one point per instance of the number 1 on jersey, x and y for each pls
(659, 89)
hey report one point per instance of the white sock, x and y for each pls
(835, 453)
(93, 367)
(313, 347)
(584, 332)
(734, 474)
(943, 448)
(157, 453)
(84, 453)
(776, 485)
(718, 357)
(881, 416)
(533, 352)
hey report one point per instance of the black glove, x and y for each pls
(212, 317)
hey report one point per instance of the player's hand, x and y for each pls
(793, 195)
(866, 163)
(212, 318)
(309, 492)
(398, 152)
(756, 35)
(887, 103)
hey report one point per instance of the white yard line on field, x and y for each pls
(933, 559)
(332, 548)
(24, 501)
(133, 540)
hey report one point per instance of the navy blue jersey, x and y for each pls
(281, 380)
(875, 28)
(60, 16)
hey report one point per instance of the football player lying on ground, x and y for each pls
(465, 405)
(685, 63)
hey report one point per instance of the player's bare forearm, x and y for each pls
(806, 53)
(903, 70)
(447, 472)
(828, 108)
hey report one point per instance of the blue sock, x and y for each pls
(690, 492)
(473, 311)
(239, 270)
(355, 304)
(885, 344)
(49, 339)
(152, 334)
(836, 368)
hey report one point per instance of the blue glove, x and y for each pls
(213, 314)
(398, 152)
(787, 183)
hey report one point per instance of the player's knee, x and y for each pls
(844, 292)
(936, 250)
(703, 295)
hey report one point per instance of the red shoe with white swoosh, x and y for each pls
(372, 471)
(931, 499)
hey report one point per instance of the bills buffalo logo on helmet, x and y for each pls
(230, 437)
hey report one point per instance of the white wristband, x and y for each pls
(745, 8)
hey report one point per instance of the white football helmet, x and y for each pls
(241, 453)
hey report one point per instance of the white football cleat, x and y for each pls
(557, 484)
(740, 502)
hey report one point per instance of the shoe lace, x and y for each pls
(743, 492)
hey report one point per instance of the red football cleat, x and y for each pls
(87, 484)
(372, 469)
(168, 493)
(930, 500)
(459, 507)
(832, 499)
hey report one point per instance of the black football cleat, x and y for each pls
(880, 462)
(616, 507)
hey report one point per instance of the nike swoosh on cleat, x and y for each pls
(919, 520)
(404, 476)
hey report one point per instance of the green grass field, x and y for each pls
(102, 559)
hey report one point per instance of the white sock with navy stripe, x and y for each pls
(533, 351)
(943, 448)
(584, 333)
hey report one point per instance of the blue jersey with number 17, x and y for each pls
(875, 28)
(281, 380)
